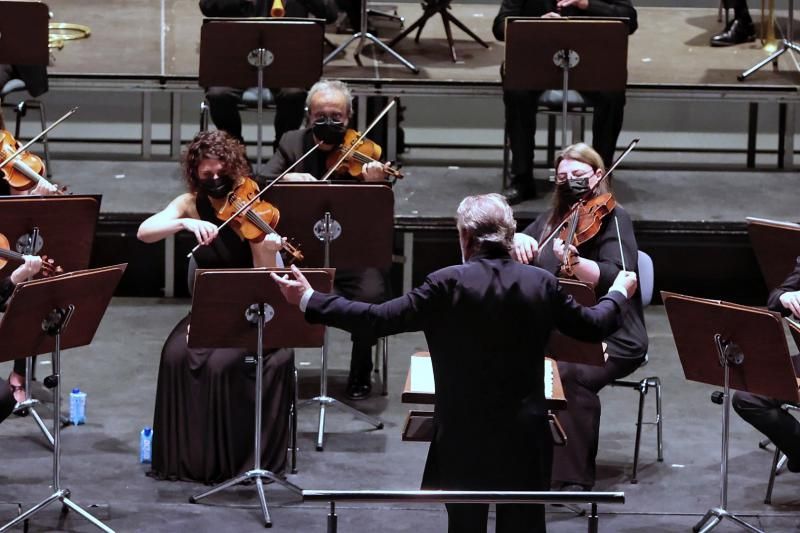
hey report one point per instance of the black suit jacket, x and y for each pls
(487, 323)
(790, 284)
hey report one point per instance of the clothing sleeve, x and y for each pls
(588, 324)
(790, 284)
(614, 8)
(411, 312)
(508, 8)
(608, 249)
(6, 288)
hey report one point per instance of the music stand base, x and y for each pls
(31, 410)
(62, 496)
(715, 515)
(324, 402)
(786, 46)
(363, 36)
(259, 475)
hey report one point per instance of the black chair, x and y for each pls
(21, 109)
(778, 460)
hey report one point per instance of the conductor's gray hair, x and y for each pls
(331, 87)
(488, 220)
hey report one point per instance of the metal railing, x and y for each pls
(460, 496)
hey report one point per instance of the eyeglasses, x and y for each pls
(562, 177)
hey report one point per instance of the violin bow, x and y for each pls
(257, 196)
(619, 240)
(590, 192)
(39, 136)
(352, 148)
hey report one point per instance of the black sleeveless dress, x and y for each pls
(205, 400)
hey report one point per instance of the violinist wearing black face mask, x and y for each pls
(596, 261)
(329, 111)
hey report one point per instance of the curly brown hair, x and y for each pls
(215, 144)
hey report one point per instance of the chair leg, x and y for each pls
(21, 109)
(659, 419)
(385, 370)
(642, 393)
(506, 155)
(204, 115)
(772, 472)
(293, 420)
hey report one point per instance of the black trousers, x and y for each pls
(575, 462)
(740, 11)
(7, 401)
(224, 109)
(521, 106)
(365, 285)
(765, 414)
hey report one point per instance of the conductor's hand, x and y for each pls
(791, 301)
(204, 231)
(525, 248)
(31, 267)
(626, 281)
(292, 289)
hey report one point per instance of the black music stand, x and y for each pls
(240, 52)
(578, 53)
(337, 226)
(429, 9)
(24, 34)
(50, 315)
(227, 304)
(362, 35)
(735, 347)
(34, 225)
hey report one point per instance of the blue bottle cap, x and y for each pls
(76, 391)
(147, 431)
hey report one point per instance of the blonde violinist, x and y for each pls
(597, 261)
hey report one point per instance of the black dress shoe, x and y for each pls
(358, 390)
(737, 32)
(793, 464)
(517, 193)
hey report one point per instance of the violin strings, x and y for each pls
(255, 219)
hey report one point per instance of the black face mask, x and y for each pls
(572, 190)
(329, 131)
(218, 188)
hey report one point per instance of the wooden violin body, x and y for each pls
(584, 224)
(365, 151)
(26, 170)
(255, 222)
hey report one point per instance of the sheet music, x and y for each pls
(548, 378)
(422, 374)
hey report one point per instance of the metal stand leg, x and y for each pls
(787, 45)
(638, 440)
(362, 35)
(772, 473)
(27, 406)
(59, 494)
(715, 515)
(257, 473)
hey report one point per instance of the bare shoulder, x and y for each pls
(185, 205)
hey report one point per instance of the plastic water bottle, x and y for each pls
(146, 445)
(77, 407)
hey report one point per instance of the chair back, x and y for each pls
(646, 277)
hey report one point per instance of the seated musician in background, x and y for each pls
(329, 111)
(34, 76)
(203, 429)
(597, 261)
(763, 413)
(13, 390)
(520, 106)
(223, 101)
(740, 29)
(491, 429)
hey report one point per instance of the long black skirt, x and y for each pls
(205, 403)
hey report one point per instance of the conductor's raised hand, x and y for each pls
(292, 289)
(626, 282)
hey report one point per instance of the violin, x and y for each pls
(7, 255)
(255, 222)
(585, 222)
(26, 171)
(366, 151)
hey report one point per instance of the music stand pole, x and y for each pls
(565, 59)
(260, 58)
(787, 45)
(329, 230)
(29, 403)
(363, 34)
(256, 315)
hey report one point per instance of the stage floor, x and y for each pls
(161, 39)
(118, 372)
